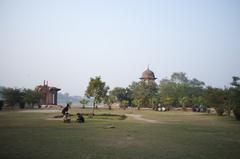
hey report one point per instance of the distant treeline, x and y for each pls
(176, 91)
(64, 98)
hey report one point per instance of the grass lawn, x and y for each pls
(180, 135)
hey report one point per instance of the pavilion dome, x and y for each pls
(148, 75)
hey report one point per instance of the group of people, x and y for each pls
(80, 118)
(198, 108)
(161, 108)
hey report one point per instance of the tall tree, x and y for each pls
(235, 96)
(180, 86)
(119, 94)
(96, 89)
(179, 77)
(138, 93)
(214, 97)
(168, 93)
(144, 93)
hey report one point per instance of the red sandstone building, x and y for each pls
(49, 94)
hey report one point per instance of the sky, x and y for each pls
(68, 41)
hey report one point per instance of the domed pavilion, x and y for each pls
(148, 75)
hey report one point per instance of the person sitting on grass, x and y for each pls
(65, 114)
(80, 118)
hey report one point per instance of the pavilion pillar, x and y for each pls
(55, 98)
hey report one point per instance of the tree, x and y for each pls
(109, 100)
(154, 101)
(167, 101)
(84, 102)
(142, 92)
(153, 96)
(184, 101)
(13, 96)
(179, 77)
(196, 83)
(125, 104)
(180, 86)
(32, 97)
(96, 89)
(137, 103)
(214, 97)
(168, 92)
(235, 96)
(119, 94)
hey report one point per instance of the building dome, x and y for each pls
(148, 75)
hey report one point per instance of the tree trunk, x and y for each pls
(184, 107)
(138, 107)
(93, 107)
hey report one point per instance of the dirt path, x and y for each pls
(41, 111)
(139, 117)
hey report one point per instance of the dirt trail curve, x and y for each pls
(139, 117)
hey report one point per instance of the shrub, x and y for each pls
(220, 110)
(22, 105)
(236, 112)
(1, 104)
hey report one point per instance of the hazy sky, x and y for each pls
(68, 41)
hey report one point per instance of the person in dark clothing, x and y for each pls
(65, 114)
(80, 118)
(65, 109)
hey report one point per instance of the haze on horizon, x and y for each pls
(67, 42)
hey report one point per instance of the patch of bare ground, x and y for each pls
(140, 118)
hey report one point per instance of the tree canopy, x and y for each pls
(96, 89)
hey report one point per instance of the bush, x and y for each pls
(236, 112)
(22, 105)
(220, 111)
(1, 104)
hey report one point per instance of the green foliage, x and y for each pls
(236, 112)
(137, 103)
(96, 89)
(146, 92)
(168, 92)
(179, 77)
(198, 100)
(215, 97)
(184, 101)
(32, 97)
(13, 96)
(235, 96)
(109, 100)
(84, 102)
(180, 86)
(154, 101)
(119, 94)
(124, 104)
(167, 101)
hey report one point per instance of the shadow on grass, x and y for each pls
(101, 116)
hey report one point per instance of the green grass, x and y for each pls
(180, 135)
